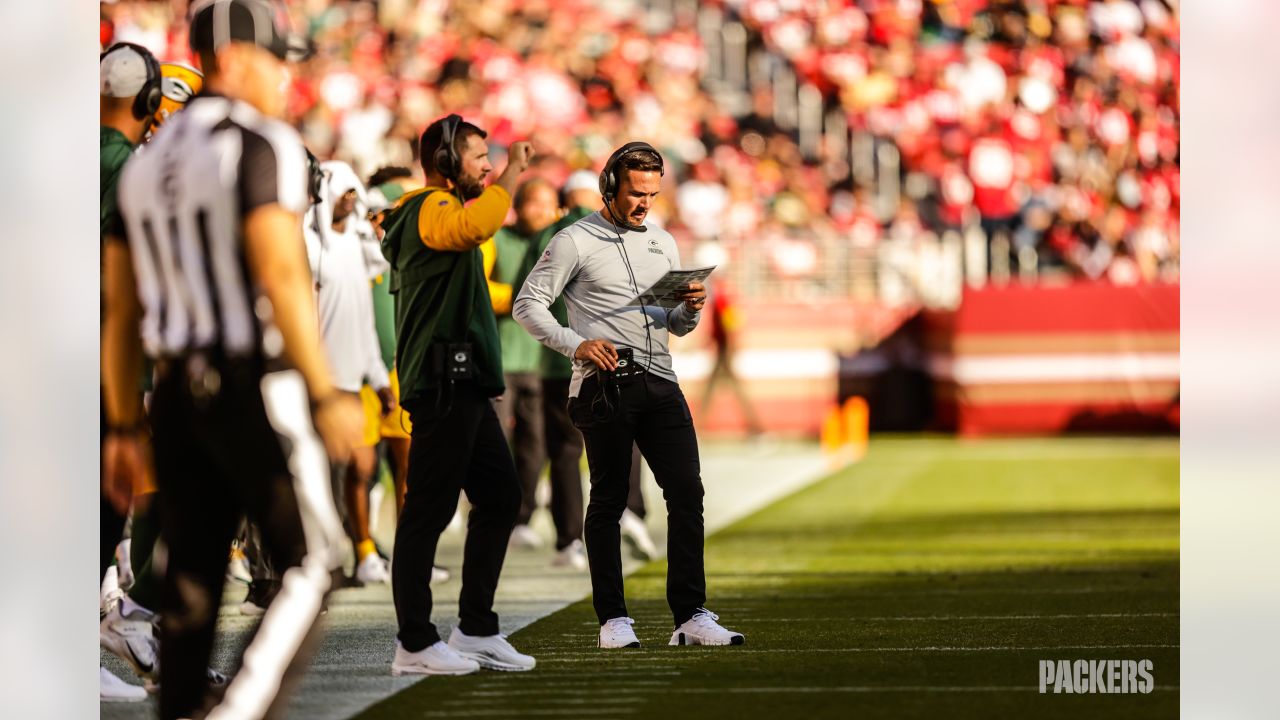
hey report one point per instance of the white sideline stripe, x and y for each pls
(1005, 369)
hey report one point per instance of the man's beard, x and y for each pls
(469, 188)
(625, 221)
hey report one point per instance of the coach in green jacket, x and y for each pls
(449, 361)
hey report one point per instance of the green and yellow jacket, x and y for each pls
(440, 286)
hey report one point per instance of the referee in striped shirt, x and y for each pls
(209, 263)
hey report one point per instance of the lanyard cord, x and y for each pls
(644, 309)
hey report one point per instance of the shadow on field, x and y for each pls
(915, 584)
(839, 644)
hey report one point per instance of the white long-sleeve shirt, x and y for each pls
(340, 266)
(585, 262)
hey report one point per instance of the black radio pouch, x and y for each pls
(628, 369)
(452, 361)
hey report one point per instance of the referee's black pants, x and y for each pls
(462, 449)
(651, 412)
(246, 448)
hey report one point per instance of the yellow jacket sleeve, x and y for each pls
(499, 293)
(446, 224)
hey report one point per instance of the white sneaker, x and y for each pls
(492, 651)
(523, 536)
(617, 633)
(373, 570)
(110, 592)
(574, 556)
(113, 689)
(636, 535)
(702, 629)
(437, 659)
(439, 574)
(126, 631)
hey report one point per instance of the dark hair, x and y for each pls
(641, 160)
(431, 140)
(387, 174)
(526, 189)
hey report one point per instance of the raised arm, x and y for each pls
(445, 223)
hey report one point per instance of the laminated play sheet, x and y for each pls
(666, 292)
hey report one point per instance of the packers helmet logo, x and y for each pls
(178, 84)
(177, 89)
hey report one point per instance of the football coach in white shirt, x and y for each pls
(599, 264)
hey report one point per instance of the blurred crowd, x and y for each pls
(1051, 125)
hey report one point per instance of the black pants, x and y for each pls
(463, 450)
(520, 413)
(652, 413)
(248, 449)
(564, 449)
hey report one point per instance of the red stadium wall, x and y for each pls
(1084, 357)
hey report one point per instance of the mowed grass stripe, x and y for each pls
(933, 576)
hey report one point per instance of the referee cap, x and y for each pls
(214, 23)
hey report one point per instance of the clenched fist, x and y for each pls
(519, 155)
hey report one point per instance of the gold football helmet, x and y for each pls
(178, 84)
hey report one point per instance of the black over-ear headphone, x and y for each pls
(315, 177)
(609, 175)
(446, 158)
(147, 101)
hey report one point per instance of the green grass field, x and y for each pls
(930, 578)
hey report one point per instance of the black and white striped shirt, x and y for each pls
(183, 200)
